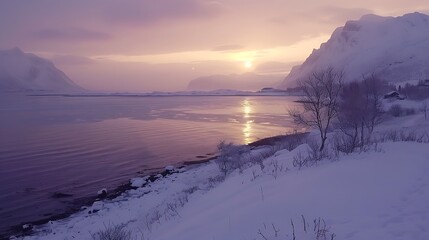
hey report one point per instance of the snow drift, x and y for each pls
(21, 71)
(396, 49)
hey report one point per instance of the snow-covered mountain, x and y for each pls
(21, 71)
(394, 48)
(242, 82)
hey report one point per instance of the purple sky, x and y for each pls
(162, 44)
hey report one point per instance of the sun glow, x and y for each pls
(248, 64)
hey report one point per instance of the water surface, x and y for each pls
(78, 145)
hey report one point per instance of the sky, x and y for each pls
(160, 45)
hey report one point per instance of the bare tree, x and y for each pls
(424, 108)
(320, 101)
(351, 116)
(373, 90)
(360, 110)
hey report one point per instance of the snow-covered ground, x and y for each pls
(379, 194)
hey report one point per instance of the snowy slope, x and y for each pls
(394, 48)
(373, 195)
(243, 82)
(21, 71)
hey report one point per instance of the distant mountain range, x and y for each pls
(395, 49)
(242, 82)
(21, 72)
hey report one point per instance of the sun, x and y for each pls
(248, 64)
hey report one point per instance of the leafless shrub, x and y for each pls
(314, 152)
(397, 110)
(300, 161)
(171, 210)
(213, 181)
(254, 175)
(269, 151)
(415, 92)
(293, 229)
(168, 209)
(263, 154)
(404, 135)
(148, 223)
(262, 235)
(191, 190)
(343, 143)
(360, 110)
(276, 168)
(231, 156)
(392, 135)
(156, 217)
(182, 199)
(258, 159)
(373, 89)
(292, 141)
(321, 231)
(112, 232)
(317, 230)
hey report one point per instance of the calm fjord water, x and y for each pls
(78, 145)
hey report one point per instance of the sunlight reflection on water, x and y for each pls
(247, 129)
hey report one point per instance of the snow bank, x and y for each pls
(372, 195)
(378, 195)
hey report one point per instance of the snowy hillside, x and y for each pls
(243, 82)
(21, 71)
(394, 48)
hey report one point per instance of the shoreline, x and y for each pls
(151, 175)
(163, 95)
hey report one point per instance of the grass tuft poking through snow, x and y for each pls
(112, 232)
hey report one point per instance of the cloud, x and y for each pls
(71, 34)
(142, 12)
(326, 14)
(230, 47)
(71, 60)
(275, 67)
(339, 15)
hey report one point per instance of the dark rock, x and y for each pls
(61, 195)
(102, 193)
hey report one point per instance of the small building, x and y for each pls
(393, 95)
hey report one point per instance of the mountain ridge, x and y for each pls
(20, 71)
(245, 82)
(395, 49)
